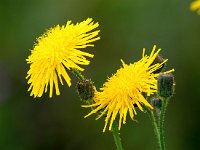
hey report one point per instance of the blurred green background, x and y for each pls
(126, 27)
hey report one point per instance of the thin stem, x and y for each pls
(154, 124)
(116, 136)
(78, 74)
(114, 126)
(161, 123)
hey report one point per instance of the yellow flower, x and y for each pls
(195, 6)
(56, 51)
(125, 89)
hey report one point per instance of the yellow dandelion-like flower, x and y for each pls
(125, 89)
(56, 51)
(195, 6)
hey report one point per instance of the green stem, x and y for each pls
(78, 74)
(116, 136)
(154, 124)
(161, 123)
(114, 126)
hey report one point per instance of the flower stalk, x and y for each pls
(78, 74)
(116, 136)
(165, 86)
(161, 122)
(115, 132)
(158, 123)
(154, 124)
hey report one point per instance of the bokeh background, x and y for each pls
(126, 27)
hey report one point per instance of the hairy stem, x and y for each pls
(161, 123)
(154, 124)
(78, 74)
(116, 136)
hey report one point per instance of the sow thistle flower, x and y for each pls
(125, 89)
(195, 6)
(57, 51)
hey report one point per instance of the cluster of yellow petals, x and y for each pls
(126, 88)
(195, 6)
(56, 51)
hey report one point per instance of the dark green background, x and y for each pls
(126, 27)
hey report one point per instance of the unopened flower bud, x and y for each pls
(156, 102)
(85, 89)
(159, 60)
(165, 85)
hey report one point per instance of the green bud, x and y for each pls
(165, 85)
(85, 89)
(156, 102)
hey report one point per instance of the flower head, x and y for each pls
(195, 6)
(126, 88)
(56, 51)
